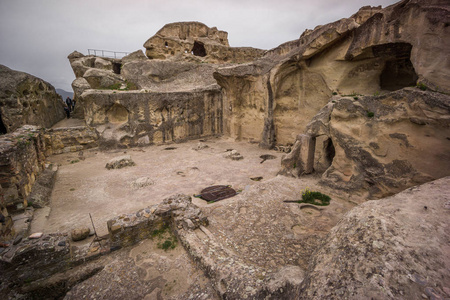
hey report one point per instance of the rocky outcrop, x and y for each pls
(146, 101)
(372, 143)
(394, 248)
(194, 41)
(21, 160)
(375, 51)
(25, 99)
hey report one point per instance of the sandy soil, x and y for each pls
(83, 184)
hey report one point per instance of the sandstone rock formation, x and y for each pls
(374, 142)
(394, 248)
(25, 99)
(272, 99)
(194, 41)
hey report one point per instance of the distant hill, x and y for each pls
(64, 94)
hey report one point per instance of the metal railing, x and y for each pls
(107, 53)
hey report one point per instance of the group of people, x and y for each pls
(70, 106)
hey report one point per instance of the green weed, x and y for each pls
(315, 198)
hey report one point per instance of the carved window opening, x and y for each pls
(166, 45)
(199, 49)
(398, 71)
(117, 67)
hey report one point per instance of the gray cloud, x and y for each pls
(37, 35)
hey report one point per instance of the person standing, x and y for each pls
(69, 103)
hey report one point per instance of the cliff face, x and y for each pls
(25, 99)
(138, 101)
(373, 52)
(355, 67)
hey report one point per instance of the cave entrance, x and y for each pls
(324, 153)
(116, 67)
(398, 71)
(199, 49)
(330, 152)
(3, 129)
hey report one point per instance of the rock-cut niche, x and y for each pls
(199, 49)
(117, 114)
(3, 129)
(398, 71)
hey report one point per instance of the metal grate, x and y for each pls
(217, 192)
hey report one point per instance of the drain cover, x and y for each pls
(217, 192)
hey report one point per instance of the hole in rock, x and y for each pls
(398, 70)
(3, 129)
(398, 74)
(198, 49)
(330, 152)
(117, 67)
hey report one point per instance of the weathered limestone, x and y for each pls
(33, 259)
(79, 234)
(135, 118)
(25, 99)
(176, 211)
(120, 162)
(196, 41)
(300, 161)
(372, 143)
(21, 160)
(393, 248)
(72, 139)
(376, 50)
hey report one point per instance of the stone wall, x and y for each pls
(23, 153)
(176, 211)
(135, 118)
(69, 139)
(21, 160)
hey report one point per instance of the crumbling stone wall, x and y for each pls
(176, 211)
(69, 139)
(23, 153)
(21, 160)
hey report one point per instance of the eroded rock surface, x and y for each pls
(196, 41)
(372, 143)
(376, 50)
(394, 248)
(27, 100)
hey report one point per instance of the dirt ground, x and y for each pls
(256, 231)
(83, 184)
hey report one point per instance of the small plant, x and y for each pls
(334, 93)
(74, 161)
(72, 189)
(377, 93)
(169, 243)
(356, 98)
(315, 198)
(422, 86)
(370, 114)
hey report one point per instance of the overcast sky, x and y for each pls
(36, 36)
